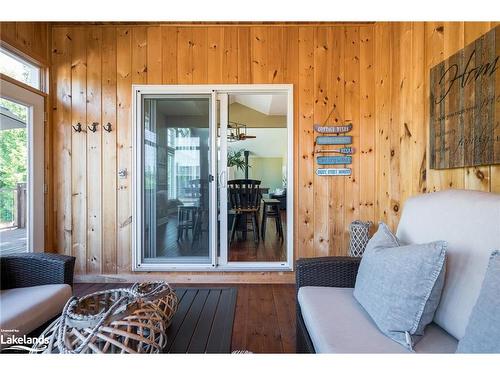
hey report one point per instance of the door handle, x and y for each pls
(222, 180)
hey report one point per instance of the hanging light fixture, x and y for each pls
(237, 132)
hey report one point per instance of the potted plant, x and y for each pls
(235, 160)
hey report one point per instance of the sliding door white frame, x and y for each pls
(218, 92)
(223, 222)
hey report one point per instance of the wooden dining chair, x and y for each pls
(244, 200)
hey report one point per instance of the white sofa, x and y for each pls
(34, 290)
(330, 320)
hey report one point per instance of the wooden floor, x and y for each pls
(264, 320)
(13, 240)
(271, 249)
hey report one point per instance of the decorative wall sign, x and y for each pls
(343, 150)
(333, 140)
(332, 160)
(465, 106)
(333, 171)
(333, 129)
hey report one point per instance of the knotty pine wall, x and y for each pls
(31, 38)
(405, 53)
(373, 75)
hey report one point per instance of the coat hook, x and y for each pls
(93, 127)
(78, 127)
(107, 127)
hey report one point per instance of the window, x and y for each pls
(20, 69)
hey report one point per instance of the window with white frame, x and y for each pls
(17, 67)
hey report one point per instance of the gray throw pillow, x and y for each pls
(400, 286)
(482, 334)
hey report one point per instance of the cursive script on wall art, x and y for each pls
(465, 106)
(467, 75)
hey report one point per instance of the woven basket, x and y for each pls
(131, 320)
(359, 236)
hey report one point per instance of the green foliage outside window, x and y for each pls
(13, 161)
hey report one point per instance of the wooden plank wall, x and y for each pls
(32, 38)
(375, 76)
(405, 52)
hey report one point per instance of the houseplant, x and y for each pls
(235, 160)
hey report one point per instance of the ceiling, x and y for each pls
(268, 104)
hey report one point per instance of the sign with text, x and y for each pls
(333, 171)
(465, 106)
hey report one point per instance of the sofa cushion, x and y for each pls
(436, 340)
(468, 222)
(25, 309)
(482, 334)
(337, 323)
(400, 286)
(382, 238)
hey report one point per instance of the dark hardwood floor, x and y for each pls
(264, 319)
(270, 249)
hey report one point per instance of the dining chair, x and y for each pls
(244, 200)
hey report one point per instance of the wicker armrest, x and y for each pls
(337, 272)
(24, 270)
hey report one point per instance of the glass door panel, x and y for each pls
(257, 156)
(21, 169)
(176, 154)
(14, 119)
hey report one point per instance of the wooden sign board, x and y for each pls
(465, 106)
(333, 140)
(332, 160)
(342, 150)
(333, 171)
(333, 129)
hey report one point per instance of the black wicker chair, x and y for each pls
(337, 272)
(25, 270)
(33, 269)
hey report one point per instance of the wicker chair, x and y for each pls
(337, 272)
(25, 270)
(20, 274)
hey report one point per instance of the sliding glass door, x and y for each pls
(212, 188)
(253, 179)
(176, 176)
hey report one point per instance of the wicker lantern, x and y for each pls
(359, 236)
(132, 320)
